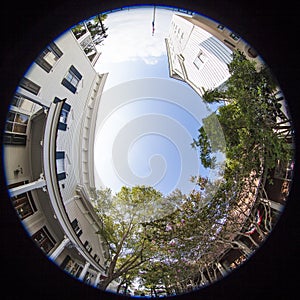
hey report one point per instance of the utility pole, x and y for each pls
(153, 20)
(102, 26)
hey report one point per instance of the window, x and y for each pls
(76, 227)
(96, 258)
(21, 102)
(88, 277)
(29, 85)
(16, 122)
(220, 27)
(66, 263)
(44, 239)
(72, 79)
(200, 60)
(23, 203)
(14, 139)
(87, 246)
(252, 52)
(234, 36)
(60, 165)
(49, 57)
(178, 32)
(62, 125)
(15, 128)
(70, 266)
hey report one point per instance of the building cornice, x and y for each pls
(49, 159)
(87, 132)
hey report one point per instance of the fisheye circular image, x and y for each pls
(149, 151)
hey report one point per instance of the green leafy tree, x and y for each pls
(249, 121)
(122, 216)
(96, 26)
(209, 219)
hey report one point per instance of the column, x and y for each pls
(221, 268)
(97, 280)
(59, 249)
(83, 272)
(204, 280)
(27, 187)
(34, 98)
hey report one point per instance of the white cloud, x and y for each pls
(150, 60)
(130, 36)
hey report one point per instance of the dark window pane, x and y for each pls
(68, 85)
(9, 126)
(11, 116)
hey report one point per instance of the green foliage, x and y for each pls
(205, 154)
(248, 121)
(123, 216)
(165, 241)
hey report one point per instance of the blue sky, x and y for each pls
(131, 46)
(146, 120)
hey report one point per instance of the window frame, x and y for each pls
(76, 227)
(30, 86)
(22, 200)
(200, 60)
(42, 237)
(221, 27)
(42, 60)
(88, 246)
(234, 36)
(71, 79)
(15, 123)
(60, 161)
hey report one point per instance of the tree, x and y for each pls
(170, 254)
(96, 27)
(206, 150)
(249, 121)
(122, 216)
(257, 135)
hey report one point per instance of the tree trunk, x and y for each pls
(102, 26)
(104, 284)
(119, 286)
(126, 288)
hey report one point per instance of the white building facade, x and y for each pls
(48, 154)
(199, 50)
(196, 56)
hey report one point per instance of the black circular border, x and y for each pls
(269, 26)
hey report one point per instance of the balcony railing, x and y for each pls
(49, 150)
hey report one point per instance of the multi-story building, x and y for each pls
(48, 153)
(196, 56)
(199, 50)
(228, 37)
